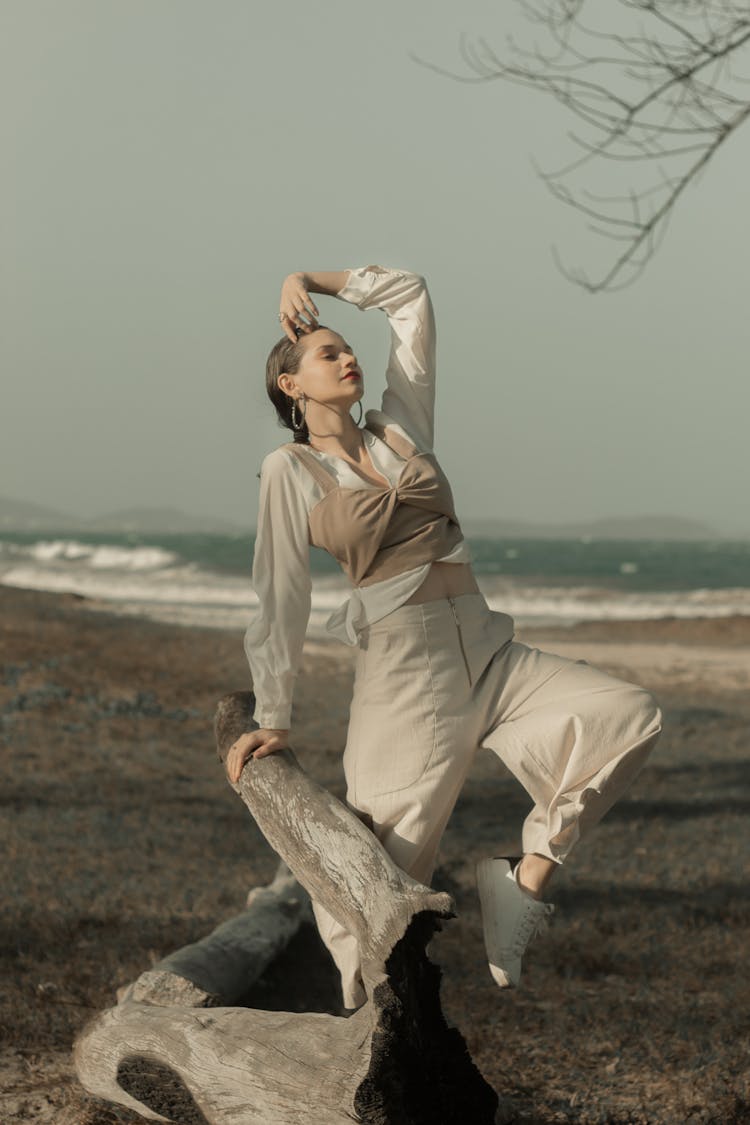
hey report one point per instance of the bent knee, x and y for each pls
(648, 712)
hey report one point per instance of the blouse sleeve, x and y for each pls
(281, 578)
(409, 397)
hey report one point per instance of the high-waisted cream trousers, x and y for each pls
(437, 681)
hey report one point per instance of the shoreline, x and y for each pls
(724, 630)
(705, 655)
(710, 654)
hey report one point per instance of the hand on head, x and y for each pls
(295, 305)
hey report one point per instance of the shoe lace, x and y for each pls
(533, 921)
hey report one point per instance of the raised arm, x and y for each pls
(275, 636)
(409, 397)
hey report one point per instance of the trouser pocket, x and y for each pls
(392, 724)
(483, 638)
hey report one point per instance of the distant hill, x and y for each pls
(155, 520)
(613, 527)
(18, 515)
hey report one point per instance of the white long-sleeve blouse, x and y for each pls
(281, 576)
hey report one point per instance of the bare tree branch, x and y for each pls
(669, 94)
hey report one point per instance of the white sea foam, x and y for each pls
(100, 556)
(565, 605)
(156, 583)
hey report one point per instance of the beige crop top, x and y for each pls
(375, 535)
(385, 539)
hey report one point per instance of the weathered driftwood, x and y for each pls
(394, 1062)
(330, 851)
(220, 968)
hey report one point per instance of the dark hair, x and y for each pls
(286, 355)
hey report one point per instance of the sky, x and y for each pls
(166, 163)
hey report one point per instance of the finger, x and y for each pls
(301, 311)
(295, 326)
(236, 770)
(288, 325)
(234, 763)
(238, 754)
(264, 751)
(310, 311)
(245, 741)
(302, 295)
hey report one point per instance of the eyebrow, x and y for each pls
(322, 347)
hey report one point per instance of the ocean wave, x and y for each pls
(156, 582)
(98, 556)
(570, 604)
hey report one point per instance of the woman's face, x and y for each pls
(328, 372)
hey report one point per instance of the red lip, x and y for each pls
(352, 375)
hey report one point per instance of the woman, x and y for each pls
(438, 673)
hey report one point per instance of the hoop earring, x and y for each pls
(361, 412)
(294, 414)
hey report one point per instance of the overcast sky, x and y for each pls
(165, 163)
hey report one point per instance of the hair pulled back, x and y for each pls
(285, 355)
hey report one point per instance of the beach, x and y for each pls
(125, 841)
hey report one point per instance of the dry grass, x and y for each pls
(124, 841)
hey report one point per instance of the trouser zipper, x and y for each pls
(460, 638)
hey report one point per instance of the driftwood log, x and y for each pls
(220, 967)
(394, 1062)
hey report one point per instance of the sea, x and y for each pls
(205, 580)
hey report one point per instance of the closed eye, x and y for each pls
(329, 354)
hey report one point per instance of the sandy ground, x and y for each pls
(123, 841)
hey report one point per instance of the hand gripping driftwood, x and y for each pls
(395, 1062)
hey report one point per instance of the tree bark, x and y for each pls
(220, 968)
(394, 1062)
(326, 846)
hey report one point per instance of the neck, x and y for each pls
(332, 431)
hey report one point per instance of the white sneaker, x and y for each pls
(511, 917)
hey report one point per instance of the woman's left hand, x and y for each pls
(295, 304)
(254, 744)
